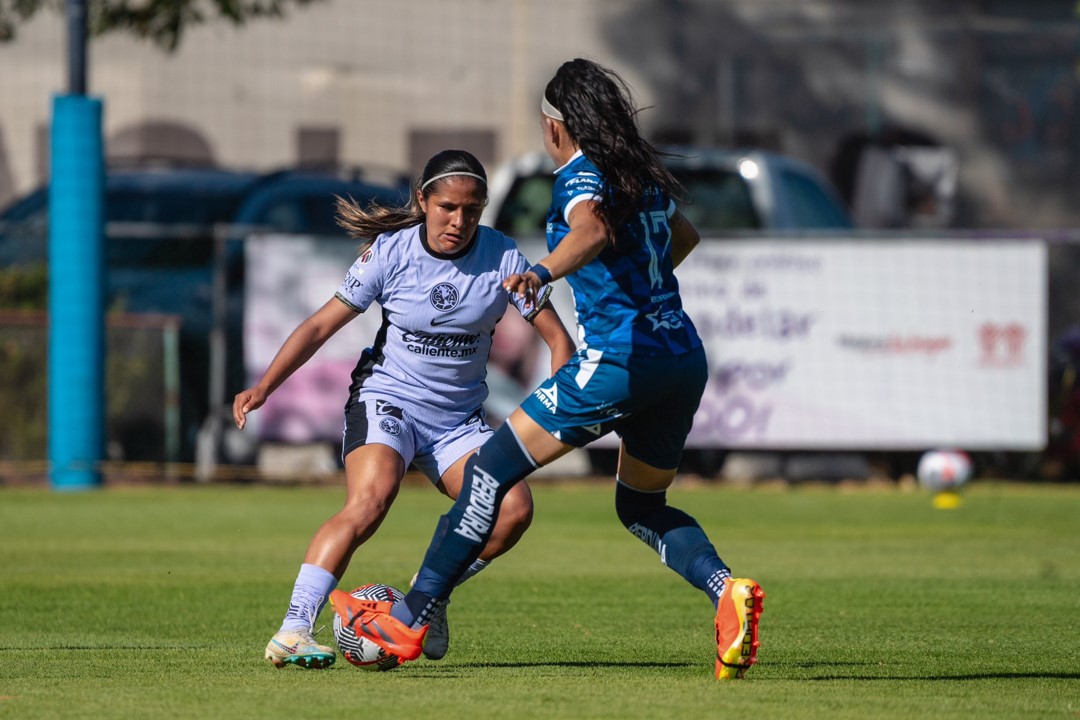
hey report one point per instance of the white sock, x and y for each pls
(714, 587)
(313, 586)
(477, 566)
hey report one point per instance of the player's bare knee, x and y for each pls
(362, 517)
(516, 510)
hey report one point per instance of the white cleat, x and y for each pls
(298, 647)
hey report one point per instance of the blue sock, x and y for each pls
(674, 535)
(464, 531)
(423, 604)
(312, 587)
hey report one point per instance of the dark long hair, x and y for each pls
(600, 117)
(368, 223)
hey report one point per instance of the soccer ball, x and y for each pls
(358, 651)
(944, 470)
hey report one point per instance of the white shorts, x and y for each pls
(430, 440)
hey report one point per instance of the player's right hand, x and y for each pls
(245, 402)
(526, 285)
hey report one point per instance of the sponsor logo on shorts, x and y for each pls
(382, 407)
(548, 397)
(612, 411)
(390, 426)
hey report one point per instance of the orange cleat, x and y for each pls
(737, 618)
(371, 620)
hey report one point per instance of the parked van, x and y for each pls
(160, 229)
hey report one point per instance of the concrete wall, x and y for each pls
(373, 70)
(374, 82)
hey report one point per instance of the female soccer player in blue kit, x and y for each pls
(417, 393)
(614, 233)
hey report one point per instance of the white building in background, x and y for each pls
(385, 83)
(358, 82)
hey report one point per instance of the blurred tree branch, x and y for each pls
(162, 22)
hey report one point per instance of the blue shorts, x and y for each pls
(649, 401)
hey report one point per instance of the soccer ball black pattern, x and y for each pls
(358, 651)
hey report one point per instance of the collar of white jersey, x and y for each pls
(573, 157)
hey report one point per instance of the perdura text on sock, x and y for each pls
(481, 508)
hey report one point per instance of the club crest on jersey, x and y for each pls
(390, 426)
(365, 258)
(444, 297)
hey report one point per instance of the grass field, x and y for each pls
(156, 603)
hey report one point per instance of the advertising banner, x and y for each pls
(867, 343)
(870, 343)
(812, 344)
(287, 278)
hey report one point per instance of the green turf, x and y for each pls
(156, 603)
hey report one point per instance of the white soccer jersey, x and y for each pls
(439, 313)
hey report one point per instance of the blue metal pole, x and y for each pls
(76, 294)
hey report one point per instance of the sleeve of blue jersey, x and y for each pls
(574, 188)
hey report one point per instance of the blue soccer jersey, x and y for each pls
(627, 298)
(439, 313)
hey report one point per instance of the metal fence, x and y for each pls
(142, 386)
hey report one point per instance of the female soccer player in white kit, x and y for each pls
(417, 394)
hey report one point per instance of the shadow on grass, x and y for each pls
(579, 664)
(450, 672)
(968, 676)
(972, 676)
(98, 648)
(570, 664)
